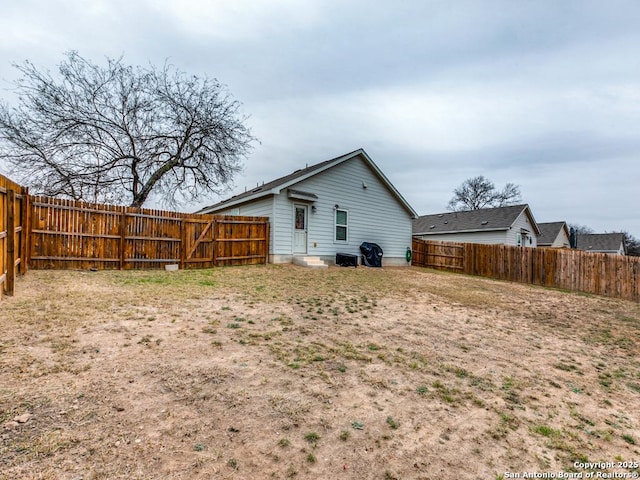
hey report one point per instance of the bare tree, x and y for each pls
(118, 133)
(479, 192)
(633, 244)
(581, 229)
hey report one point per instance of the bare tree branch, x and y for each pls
(119, 133)
(580, 229)
(479, 192)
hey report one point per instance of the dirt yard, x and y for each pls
(284, 372)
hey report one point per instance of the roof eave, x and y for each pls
(232, 203)
(532, 220)
(431, 232)
(278, 188)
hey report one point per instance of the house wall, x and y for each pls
(374, 215)
(494, 237)
(561, 241)
(262, 207)
(522, 222)
(505, 237)
(619, 251)
(282, 228)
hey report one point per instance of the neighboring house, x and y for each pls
(513, 225)
(328, 208)
(602, 243)
(554, 235)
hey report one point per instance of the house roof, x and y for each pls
(549, 231)
(274, 187)
(601, 242)
(484, 219)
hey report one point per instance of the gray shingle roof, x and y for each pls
(485, 219)
(600, 242)
(549, 232)
(274, 187)
(272, 184)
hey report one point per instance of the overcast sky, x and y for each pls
(543, 94)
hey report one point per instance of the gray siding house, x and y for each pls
(554, 235)
(612, 243)
(328, 208)
(512, 225)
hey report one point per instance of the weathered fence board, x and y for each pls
(611, 275)
(13, 232)
(438, 255)
(74, 235)
(53, 233)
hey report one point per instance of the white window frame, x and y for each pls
(341, 225)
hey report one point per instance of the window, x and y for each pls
(300, 211)
(341, 226)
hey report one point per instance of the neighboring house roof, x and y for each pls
(549, 231)
(601, 242)
(482, 220)
(274, 187)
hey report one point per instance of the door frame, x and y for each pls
(295, 230)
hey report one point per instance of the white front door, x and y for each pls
(299, 229)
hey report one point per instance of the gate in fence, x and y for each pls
(53, 233)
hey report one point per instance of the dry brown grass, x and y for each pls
(285, 372)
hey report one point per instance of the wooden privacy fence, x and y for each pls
(610, 275)
(66, 234)
(13, 235)
(51, 233)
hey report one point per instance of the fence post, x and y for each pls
(123, 237)
(11, 241)
(266, 241)
(214, 246)
(183, 243)
(25, 234)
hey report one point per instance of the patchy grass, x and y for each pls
(285, 372)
